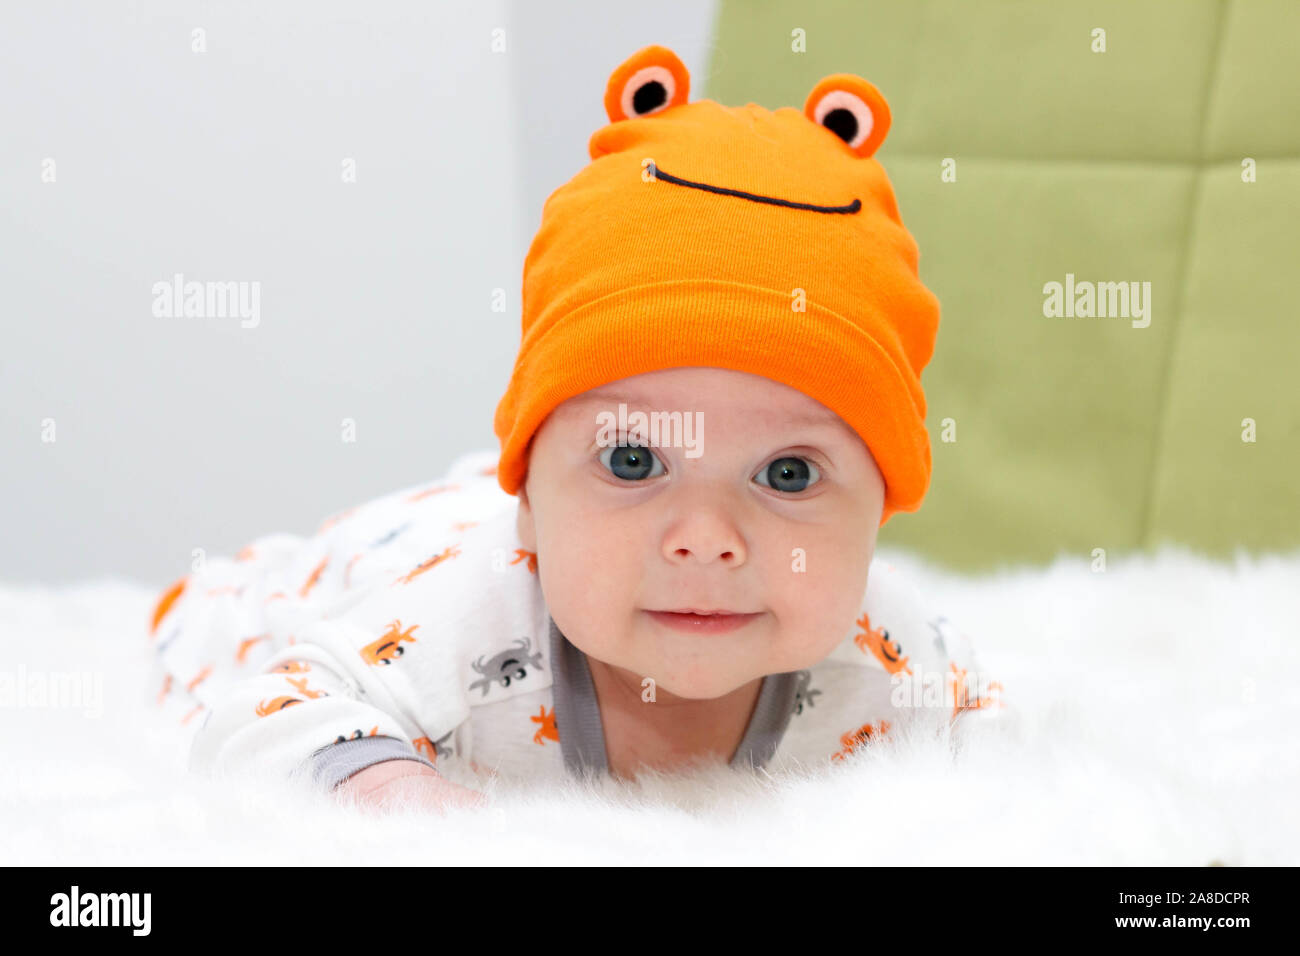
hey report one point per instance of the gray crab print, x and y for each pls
(803, 694)
(442, 746)
(162, 645)
(509, 665)
(380, 542)
(938, 625)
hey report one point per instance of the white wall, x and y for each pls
(375, 297)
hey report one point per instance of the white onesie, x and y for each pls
(414, 627)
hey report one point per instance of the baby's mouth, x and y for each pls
(703, 621)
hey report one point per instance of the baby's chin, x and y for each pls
(699, 686)
(701, 679)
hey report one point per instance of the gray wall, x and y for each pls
(174, 433)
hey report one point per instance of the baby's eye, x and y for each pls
(788, 474)
(631, 462)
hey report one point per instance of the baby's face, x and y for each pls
(767, 503)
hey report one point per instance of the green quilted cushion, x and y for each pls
(1123, 166)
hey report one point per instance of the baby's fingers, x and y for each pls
(424, 793)
(455, 795)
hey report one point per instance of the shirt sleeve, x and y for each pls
(333, 764)
(311, 711)
(221, 622)
(256, 649)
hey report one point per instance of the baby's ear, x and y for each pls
(649, 81)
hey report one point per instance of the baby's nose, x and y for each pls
(705, 539)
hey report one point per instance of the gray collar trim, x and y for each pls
(582, 738)
(577, 715)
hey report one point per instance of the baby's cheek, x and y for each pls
(579, 583)
(821, 602)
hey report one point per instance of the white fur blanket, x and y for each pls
(1152, 715)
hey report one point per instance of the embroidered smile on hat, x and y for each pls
(763, 241)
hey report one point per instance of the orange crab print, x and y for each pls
(435, 490)
(347, 572)
(166, 688)
(547, 730)
(290, 667)
(277, 596)
(300, 684)
(314, 578)
(388, 646)
(266, 708)
(425, 746)
(994, 699)
(962, 700)
(165, 604)
(246, 554)
(463, 525)
(530, 555)
(332, 520)
(856, 738)
(226, 589)
(446, 555)
(199, 678)
(246, 645)
(876, 641)
(186, 718)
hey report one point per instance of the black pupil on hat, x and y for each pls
(648, 96)
(842, 123)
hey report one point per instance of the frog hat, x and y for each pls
(763, 241)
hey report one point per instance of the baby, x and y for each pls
(715, 407)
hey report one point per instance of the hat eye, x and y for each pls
(648, 82)
(648, 91)
(852, 109)
(846, 116)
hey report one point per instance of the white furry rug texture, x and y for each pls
(1151, 719)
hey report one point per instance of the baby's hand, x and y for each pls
(406, 783)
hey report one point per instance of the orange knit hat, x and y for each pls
(710, 235)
